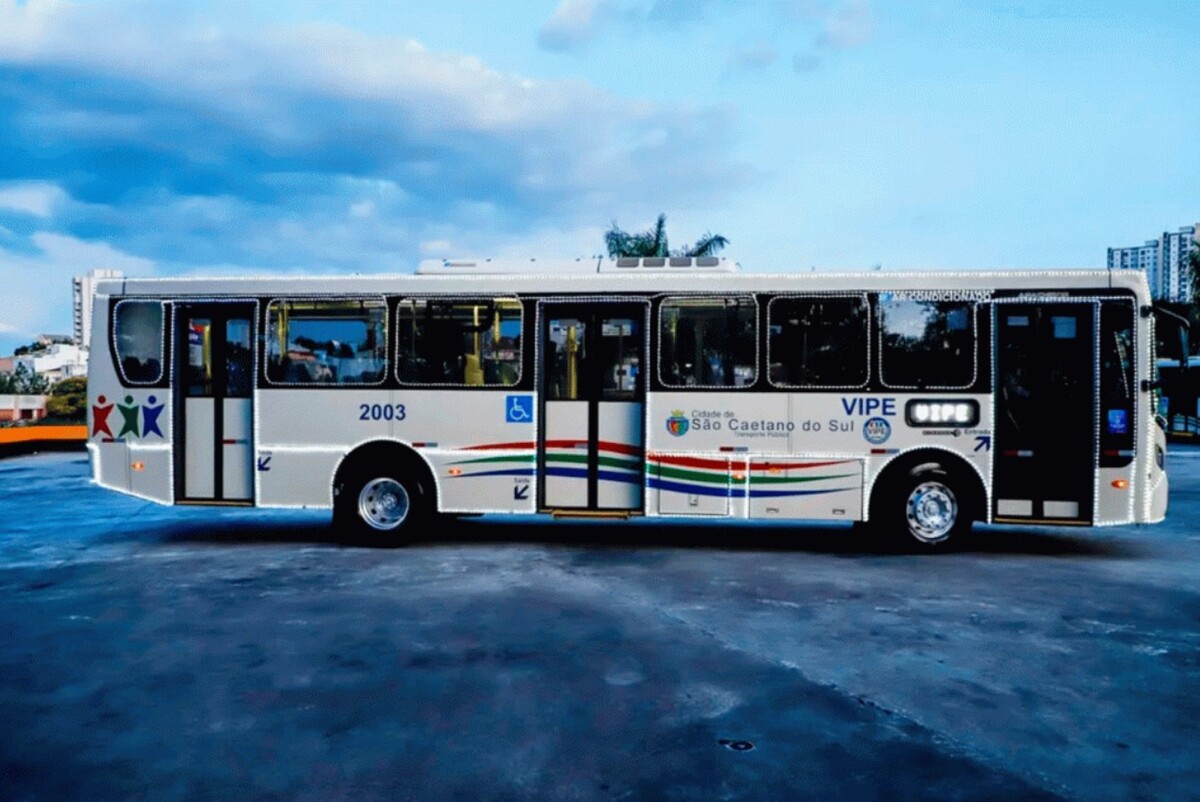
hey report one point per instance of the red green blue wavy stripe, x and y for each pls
(569, 458)
(702, 476)
(564, 458)
(502, 465)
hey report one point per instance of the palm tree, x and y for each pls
(1193, 309)
(654, 242)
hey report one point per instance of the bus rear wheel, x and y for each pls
(375, 508)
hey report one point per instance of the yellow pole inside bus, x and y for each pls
(572, 363)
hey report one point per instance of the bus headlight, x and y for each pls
(930, 413)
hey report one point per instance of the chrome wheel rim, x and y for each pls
(383, 504)
(931, 510)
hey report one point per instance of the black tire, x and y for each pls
(380, 507)
(929, 504)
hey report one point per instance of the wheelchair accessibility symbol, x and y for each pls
(518, 409)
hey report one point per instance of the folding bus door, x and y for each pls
(215, 418)
(591, 452)
(1045, 414)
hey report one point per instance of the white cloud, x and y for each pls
(437, 247)
(254, 80)
(37, 287)
(362, 209)
(549, 244)
(574, 23)
(840, 25)
(80, 255)
(805, 62)
(757, 56)
(268, 86)
(26, 24)
(319, 148)
(222, 270)
(849, 24)
(38, 198)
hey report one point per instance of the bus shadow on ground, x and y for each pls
(835, 540)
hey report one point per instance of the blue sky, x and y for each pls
(168, 138)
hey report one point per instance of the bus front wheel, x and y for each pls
(929, 504)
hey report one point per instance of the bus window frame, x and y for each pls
(974, 380)
(266, 333)
(870, 330)
(758, 334)
(1107, 460)
(493, 303)
(164, 373)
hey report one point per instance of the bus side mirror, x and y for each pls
(1181, 325)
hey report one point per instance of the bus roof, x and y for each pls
(577, 276)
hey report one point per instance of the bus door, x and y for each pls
(1045, 412)
(591, 452)
(215, 414)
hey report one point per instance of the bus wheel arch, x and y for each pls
(382, 490)
(928, 494)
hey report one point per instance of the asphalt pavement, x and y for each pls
(157, 653)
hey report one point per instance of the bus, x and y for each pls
(913, 403)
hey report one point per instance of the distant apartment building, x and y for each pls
(56, 362)
(83, 288)
(1139, 257)
(1175, 265)
(1165, 262)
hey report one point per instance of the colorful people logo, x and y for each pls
(131, 413)
(150, 415)
(129, 416)
(100, 417)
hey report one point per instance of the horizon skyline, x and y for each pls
(835, 134)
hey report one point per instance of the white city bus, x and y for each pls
(635, 387)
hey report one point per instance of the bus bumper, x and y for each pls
(1158, 500)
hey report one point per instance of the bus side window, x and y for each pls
(1117, 384)
(340, 341)
(708, 342)
(455, 341)
(818, 342)
(138, 338)
(926, 344)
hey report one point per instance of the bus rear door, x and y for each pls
(591, 451)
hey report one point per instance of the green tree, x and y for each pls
(23, 381)
(32, 348)
(653, 242)
(1194, 266)
(1192, 310)
(68, 399)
